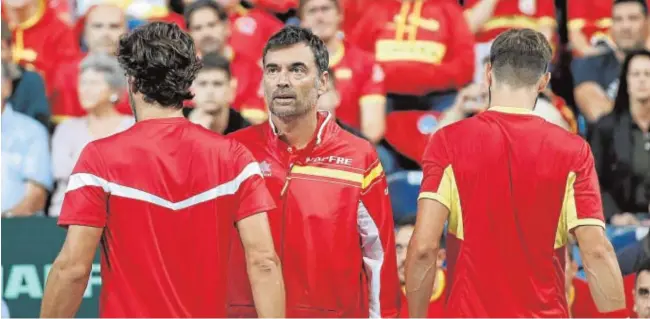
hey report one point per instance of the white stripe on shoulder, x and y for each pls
(80, 180)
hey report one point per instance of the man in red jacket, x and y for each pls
(333, 224)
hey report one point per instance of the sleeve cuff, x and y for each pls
(62, 222)
(586, 222)
(437, 197)
(253, 211)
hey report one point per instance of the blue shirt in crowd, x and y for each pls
(25, 156)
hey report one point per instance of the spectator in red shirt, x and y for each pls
(43, 40)
(424, 47)
(360, 80)
(208, 25)
(250, 28)
(100, 30)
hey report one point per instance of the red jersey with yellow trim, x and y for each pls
(592, 18)
(353, 11)
(515, 14)
(167, 225)
(581, 303)
(250, 29)
(423, 46)
(511, 206)
(333, 228)
(42, 42)
(437, 301)
(359, 79)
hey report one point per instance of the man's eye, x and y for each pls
(643, 291)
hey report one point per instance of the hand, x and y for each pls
(625, 219)
(472, 98)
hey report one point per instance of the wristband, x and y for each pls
(621, 313)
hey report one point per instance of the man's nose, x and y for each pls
(283, 79)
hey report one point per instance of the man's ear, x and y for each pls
(487, 77)
(232, 88)
(324, 83)
(543, 82)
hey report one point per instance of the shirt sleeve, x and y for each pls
(252, 196)
(438, 177)
(582, 201)
(86, 199)
(583, 71)
(37, 166)
(377, 232)
(372, 85)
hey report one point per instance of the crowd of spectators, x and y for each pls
(402, 69)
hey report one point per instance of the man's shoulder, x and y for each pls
(250, 134)
(29, 125)
(592, 61)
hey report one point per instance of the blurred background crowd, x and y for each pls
(402, 69)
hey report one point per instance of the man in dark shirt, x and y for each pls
(596, 77)
(214, 90)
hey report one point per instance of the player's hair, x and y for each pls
(622, 101)
(161, 60)
(108, 65)
(519, 57)
(215, 61)
(642, 3)
(643, 266)
(221, 12)
(303, 3)
(291, 35)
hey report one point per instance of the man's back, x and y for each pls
(167, 193)
(513, 185)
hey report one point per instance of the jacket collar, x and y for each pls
(325, 124)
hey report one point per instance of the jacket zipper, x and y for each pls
(284, 196)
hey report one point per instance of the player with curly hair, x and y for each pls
(162, 197)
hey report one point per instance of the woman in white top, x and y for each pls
(101, 84)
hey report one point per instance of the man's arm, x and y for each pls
(373, 102)
(582, 209)
(422, 255)
(263, 266)
(602, 269)
(479, 14)
(377, 231)
(34, 201)
(435, 205)
(592, 101)
(70, 272)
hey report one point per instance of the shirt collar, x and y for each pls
(324, 118)
(511, 110)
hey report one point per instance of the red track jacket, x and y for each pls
(333, 227)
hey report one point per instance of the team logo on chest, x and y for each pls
(265, 167)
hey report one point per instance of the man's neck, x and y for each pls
(513, 98)
(296, 131)
(148, 111)
(101, 112)
(19, 15)
(640, 111)
(333, 45)
(215, 121)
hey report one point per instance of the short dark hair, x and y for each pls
(214, 61)
(162, 61)
(642, 3)
(291, 35)
(519, 57)
(302, 3)
(643, 266)
(203, 4)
